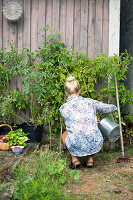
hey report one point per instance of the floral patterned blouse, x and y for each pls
(79, 114)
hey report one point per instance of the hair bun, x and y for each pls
(70, 79)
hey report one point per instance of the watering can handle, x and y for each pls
(112, 117)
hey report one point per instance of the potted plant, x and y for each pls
(31, 84)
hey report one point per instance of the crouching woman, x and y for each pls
(83, 137)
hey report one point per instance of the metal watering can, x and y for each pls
(110, 129)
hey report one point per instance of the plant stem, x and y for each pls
(7, 82)
(60, 133)
(33, 104)
(21, 118)
(50, 133)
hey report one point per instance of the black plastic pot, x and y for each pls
(5, 129)
(35, 133)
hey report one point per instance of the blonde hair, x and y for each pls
(72, 85)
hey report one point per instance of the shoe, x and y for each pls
(74, 166)
(89, 164)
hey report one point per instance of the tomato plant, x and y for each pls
(44, 71)
(56, 63)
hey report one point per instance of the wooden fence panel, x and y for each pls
(20, 30)
(27, 24)
(5, 28)
(49, 8)
(82, 24)
(98, 26)
(91, 29)
(34, 24)
(69, 23)
(41, 21)
(20, 26)
(56, 14)
(63, 20)
(77, 22)
(1, 26)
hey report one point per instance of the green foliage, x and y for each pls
(17, 137)
(3, 79)
(56, 170)
(75, 174)
(57, 63)
(10, 62)
(39, 183)
(31, 84)
(10, 103)
(44, 71)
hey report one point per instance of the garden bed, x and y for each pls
(108, 180)
(9, 161)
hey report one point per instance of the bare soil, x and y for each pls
(107, 180)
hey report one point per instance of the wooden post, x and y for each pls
(114, 29)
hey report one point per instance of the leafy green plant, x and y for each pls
(44, 71)
(17, 137)
(57, 170)
(31, 85)
(44, 181)
(3, 79)
(38, 183)
(10, 63)
(57, 63)
(75, 174)
(11, 103)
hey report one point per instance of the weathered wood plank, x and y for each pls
(20, 29)
(27, 24)
(13, 41)
(55, 15)
(1, 26)
(69, 23)
(6, 28)
(98, 26)
(63, 21)
(105, 27)
(77, 22)
(41, 21)
(34, 25)
(91, 29)
(20, 43)
(49, 8)
(13, 33)
(84, 24)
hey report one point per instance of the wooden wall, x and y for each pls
(83, 24)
